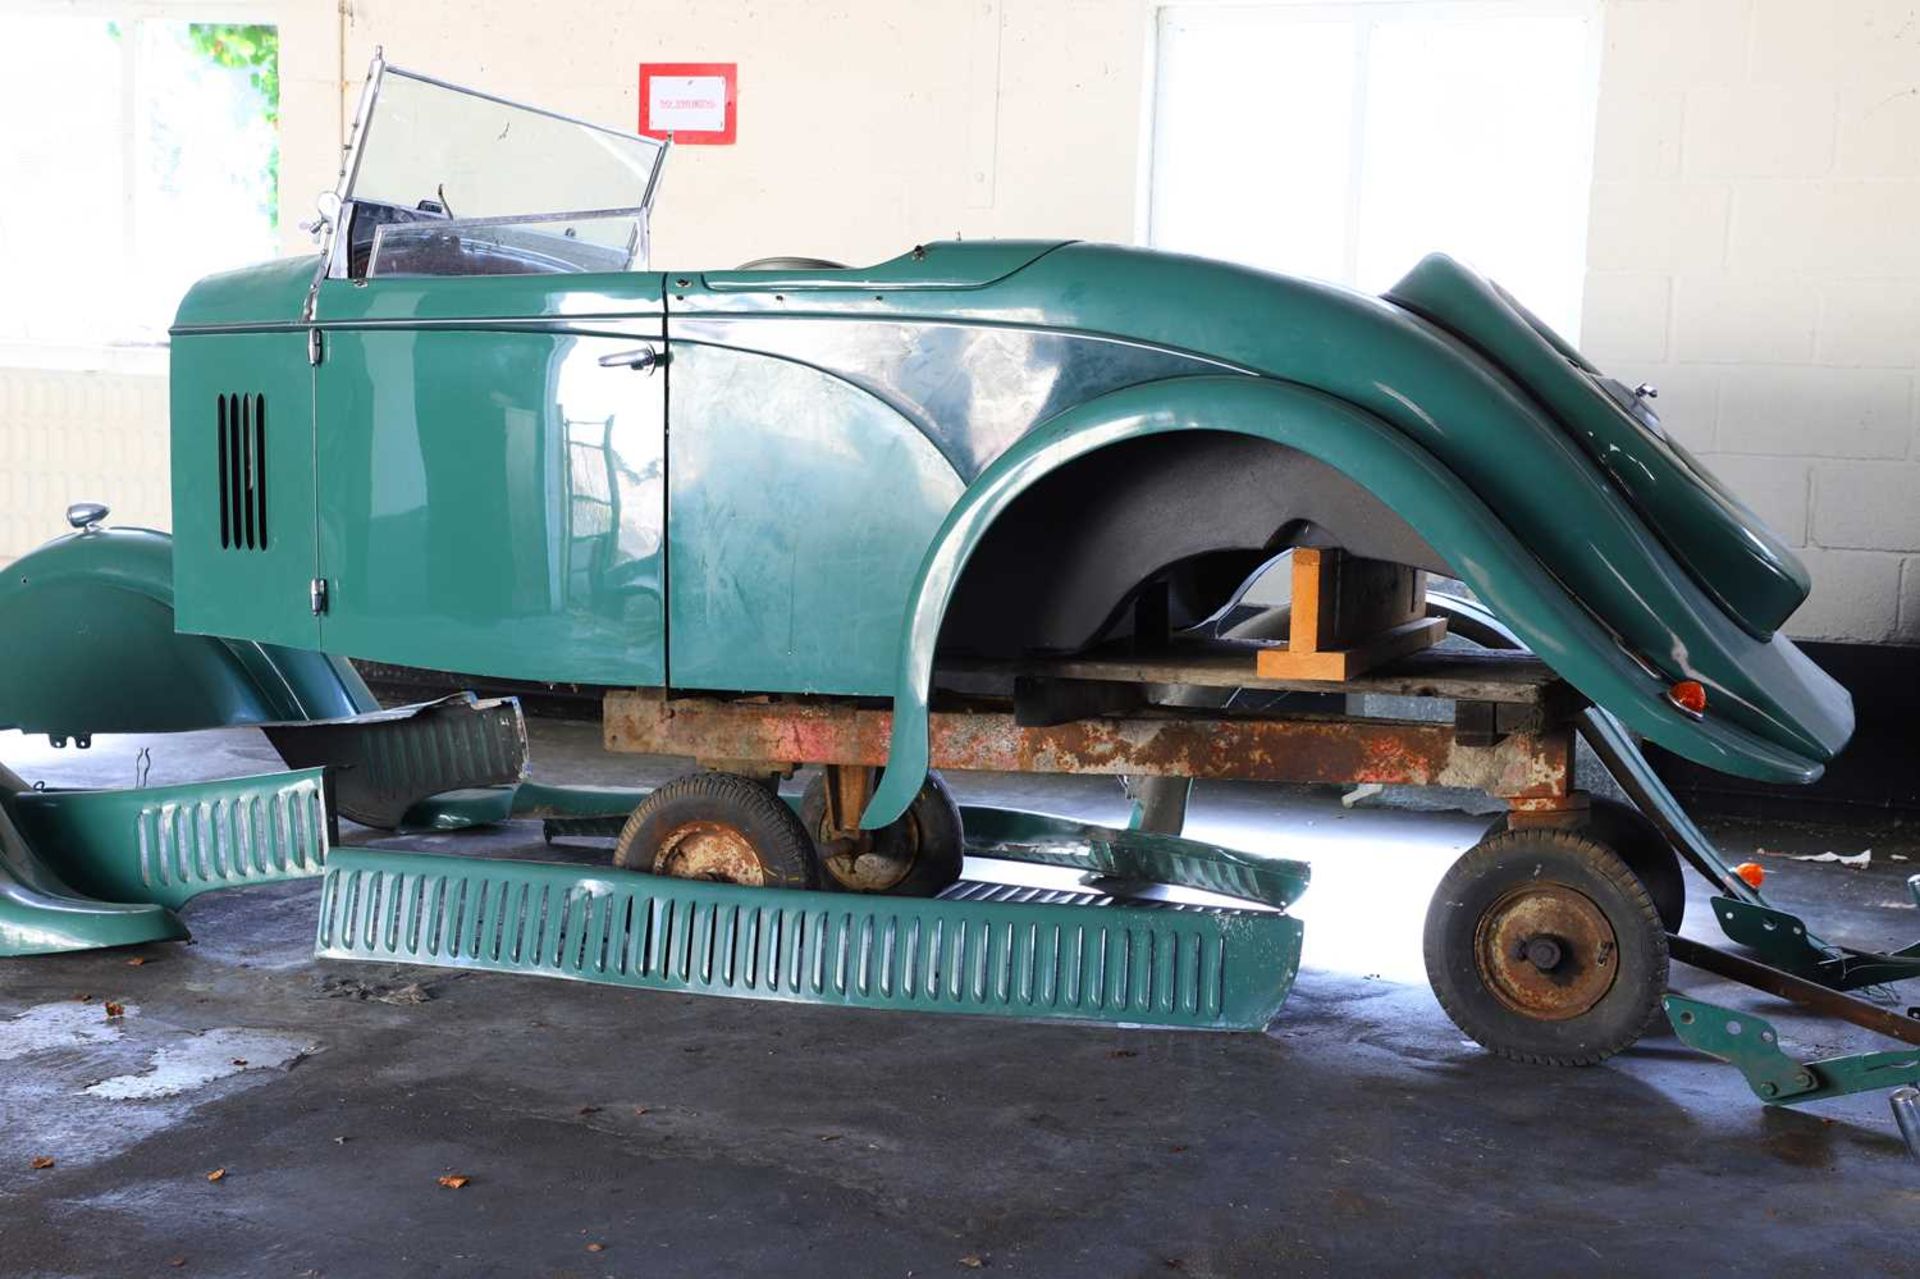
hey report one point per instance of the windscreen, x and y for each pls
(480, 157)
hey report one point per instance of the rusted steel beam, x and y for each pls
(1166, 744)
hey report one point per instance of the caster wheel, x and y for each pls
(1544, 946)
(917, 856)
(720, 827)
(1646, 852)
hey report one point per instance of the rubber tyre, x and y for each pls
(743, 814)
(928, 838)
(1642, 847)
(1517, 863)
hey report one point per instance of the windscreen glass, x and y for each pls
(477, 157)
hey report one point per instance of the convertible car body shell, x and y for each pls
(480, 479)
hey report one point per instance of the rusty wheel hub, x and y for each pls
(712, 851)
(872, 861)
(1546, 951)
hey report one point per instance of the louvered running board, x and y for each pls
(164, 845)
(981, 949)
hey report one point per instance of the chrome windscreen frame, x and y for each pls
(334, 251)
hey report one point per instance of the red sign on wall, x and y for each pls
(696, 102)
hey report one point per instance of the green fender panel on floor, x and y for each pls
(88, 645)
(41, 915)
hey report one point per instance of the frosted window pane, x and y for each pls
(1252, 145)
(1476, 143)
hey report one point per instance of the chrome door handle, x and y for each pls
(640, 357)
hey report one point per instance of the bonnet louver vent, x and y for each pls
(243, 472)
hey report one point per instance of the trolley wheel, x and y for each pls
(1544, 946)
(1624, 829)
(917, 855)
(721, 827)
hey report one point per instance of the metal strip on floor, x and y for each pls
(1202, 968)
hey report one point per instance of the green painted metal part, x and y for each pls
(1599, 568)
(165, 845)
(385, 762)
(42, 915)
(1752, 1044)
(91, 646)
(1013, 835)
(1035, 954)
(581, 811)
(1782, 940)
(1729, 550)
(1782, 697)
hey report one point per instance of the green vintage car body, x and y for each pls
(810, 479)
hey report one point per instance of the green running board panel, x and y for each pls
(994, 950)
(165, 845)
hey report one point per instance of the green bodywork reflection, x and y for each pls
(92, 647)
(801, 508)
(493, 501)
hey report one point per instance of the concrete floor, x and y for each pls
(609, 1132)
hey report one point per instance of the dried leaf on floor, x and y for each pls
(973, 1261)
(454, 1180)
(218, 1174)
(596, 1247)
(136, 961)
(43, 1161)
(116, 1010)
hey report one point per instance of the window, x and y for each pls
(1345, 141)
(139, 155)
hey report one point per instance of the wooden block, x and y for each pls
(1340, 600)
(1346, 663)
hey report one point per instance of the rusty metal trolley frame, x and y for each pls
(1511, 735)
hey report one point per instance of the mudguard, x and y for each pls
(88, 626)
(1774, 715)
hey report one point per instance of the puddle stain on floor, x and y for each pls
(202, 1059)
(69, 1024)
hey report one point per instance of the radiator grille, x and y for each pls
(242, 448)
(1038, 955)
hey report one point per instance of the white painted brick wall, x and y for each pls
(73, 436)
(1754, 246)
(1757, 166)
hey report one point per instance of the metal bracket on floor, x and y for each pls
(1777, 936)
(1783, 941)
(1752, 1044)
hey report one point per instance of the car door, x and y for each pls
(490, 474)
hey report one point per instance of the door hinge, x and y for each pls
(317, 595)
(316, 347)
